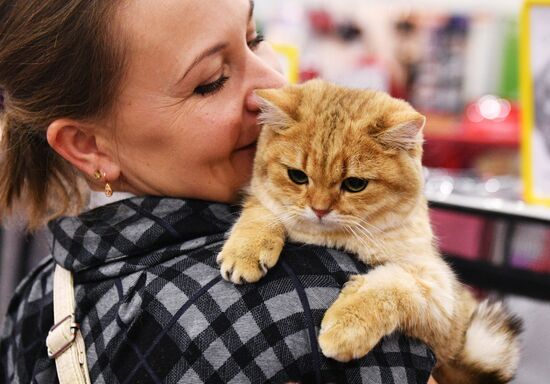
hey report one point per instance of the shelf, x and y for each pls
(491, 207)
(499, 274)
(485, 275)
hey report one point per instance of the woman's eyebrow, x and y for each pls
(212, 50)
(251, 13)
(206, 53)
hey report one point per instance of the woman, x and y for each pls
(155, 98)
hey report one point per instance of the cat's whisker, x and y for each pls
(381, 248)
(359, 238)
(369, 233)
(286, 218)
(365, 222)
(367, 236)
(359, 220)
(287, 221)
(272, 221)
(348, 231)
(359, 223)
(366, 231)
(279, 219)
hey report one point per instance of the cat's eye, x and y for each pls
(354, 184)
(297, 176)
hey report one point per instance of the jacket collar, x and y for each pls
(135, 231)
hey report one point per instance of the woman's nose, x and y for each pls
(253, 102)
(267, 73)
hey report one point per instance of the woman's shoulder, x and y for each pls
(208, 329)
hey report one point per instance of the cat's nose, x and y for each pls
(321, 212)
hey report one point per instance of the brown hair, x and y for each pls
(58, 58)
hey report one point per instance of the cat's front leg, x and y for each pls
(369, 307)
(253, 246)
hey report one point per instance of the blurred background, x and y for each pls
(459, 63)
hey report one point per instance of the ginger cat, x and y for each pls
(341, 168)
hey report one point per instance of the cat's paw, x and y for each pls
(353, 285)
(351, 326)
(345, 335)
(247, 260)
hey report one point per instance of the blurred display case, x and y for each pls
(494, 240)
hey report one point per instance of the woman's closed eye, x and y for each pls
(255, 42)
(210, 88)
(217, 85)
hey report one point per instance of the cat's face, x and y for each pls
(338, 160)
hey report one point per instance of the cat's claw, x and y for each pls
(264, 267)
(229, 274)
(240, 265)
(236, 275)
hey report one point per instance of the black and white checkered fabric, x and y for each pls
(154, 309)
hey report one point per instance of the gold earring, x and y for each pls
(98, 175)
(108, 190)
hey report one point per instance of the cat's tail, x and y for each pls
(490, 352)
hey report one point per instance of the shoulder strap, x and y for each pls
(65, 342)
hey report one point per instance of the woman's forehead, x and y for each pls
(179, 22)
(165, 36)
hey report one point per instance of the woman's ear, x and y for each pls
(76, 142)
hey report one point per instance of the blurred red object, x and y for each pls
(321, 21)
(456, 141)
(308, 74)
(491, 120)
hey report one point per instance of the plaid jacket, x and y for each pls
(153, 307)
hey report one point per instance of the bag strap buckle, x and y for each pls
(61, 336)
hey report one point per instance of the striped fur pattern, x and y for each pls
(331, 134)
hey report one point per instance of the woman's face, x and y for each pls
(186, 119)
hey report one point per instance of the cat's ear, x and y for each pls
(278, 107)
(405, 135)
